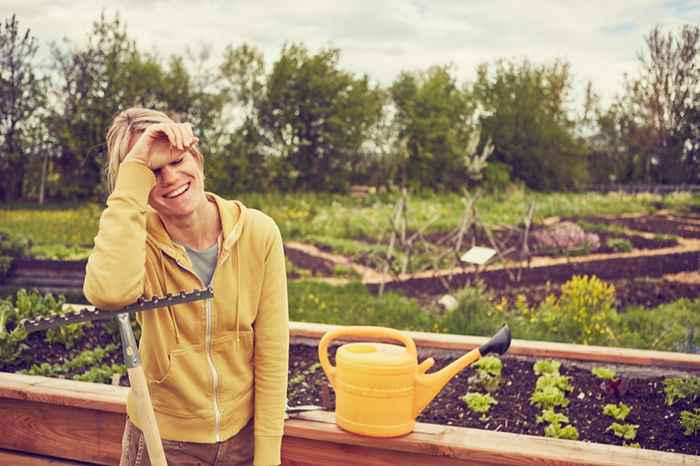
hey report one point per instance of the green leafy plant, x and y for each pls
(488, 373)
(620, 244)
(567, 432)
(546, 366)
(690, 421)
(101, 374)
(12, 246)
(548, 397)
(677, 388)
(625, 431)
(552, 417)
(558, 381)
(479, 403)
(604, 373)
(619, 411)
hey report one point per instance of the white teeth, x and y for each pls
(177, 192)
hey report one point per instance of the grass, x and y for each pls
(305, 215)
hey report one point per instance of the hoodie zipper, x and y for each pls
(208, 344)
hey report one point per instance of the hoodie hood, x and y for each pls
(233, 215)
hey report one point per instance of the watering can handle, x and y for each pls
(362, 332)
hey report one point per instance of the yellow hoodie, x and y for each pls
(211, 365)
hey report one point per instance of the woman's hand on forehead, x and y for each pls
(162, 143)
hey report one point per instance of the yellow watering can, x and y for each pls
(380, 389)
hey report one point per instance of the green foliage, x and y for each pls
(317, 117)
(619, 411)
(567, 432)
(560, 382)
(474, 315)
(604, 373)
(554, 428)
(552, 417)
(625, 431)
(620, 244)
(488, 373)
(84, 360)
(11, 247)
(525, 114)
(60, 252)
(22, 106)
(690, 421)
(311, 301)
(432, 118)
(30, 305)
(546, 366)
(101, 374)
(680, 388)
(479, 403)
(548, 397)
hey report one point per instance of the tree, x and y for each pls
(523, 109)
(22, 96)
(663, 97)
(316, 117)
(434, 117)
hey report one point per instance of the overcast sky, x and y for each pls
(380, 38)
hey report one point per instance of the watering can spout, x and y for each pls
(429, 385)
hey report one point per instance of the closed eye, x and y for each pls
(178, 161)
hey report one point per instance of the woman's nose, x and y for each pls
(168, 174)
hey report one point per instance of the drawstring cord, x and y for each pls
(238, 297)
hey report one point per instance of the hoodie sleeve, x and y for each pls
(114, 276)
(271, 356)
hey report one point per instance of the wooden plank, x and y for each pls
(62, 392)
(61, 431)
(90, 435)
(457, 445)
(16, 458)
(529, 348)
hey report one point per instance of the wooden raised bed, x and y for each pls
(52, 421)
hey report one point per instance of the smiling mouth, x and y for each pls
(178, 192)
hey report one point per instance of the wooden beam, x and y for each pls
(540, 349)
(68, 432)
(91, 432)
(16, 458)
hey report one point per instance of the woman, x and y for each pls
(216, 369)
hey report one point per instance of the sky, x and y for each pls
(380, 38)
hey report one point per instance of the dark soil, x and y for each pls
(608, 270)
(659, 426)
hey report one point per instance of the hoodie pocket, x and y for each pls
(235, 365)
(186, 388)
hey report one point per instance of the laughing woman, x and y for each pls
(216, 369)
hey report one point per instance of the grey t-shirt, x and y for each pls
(204, 262)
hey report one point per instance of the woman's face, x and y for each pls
(179, 188)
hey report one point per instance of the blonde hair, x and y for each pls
(126, 123)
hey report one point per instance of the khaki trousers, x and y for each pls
(236, 451)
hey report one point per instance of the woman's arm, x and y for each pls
(271, 356)
(115, 271)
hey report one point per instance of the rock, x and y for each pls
(565, 236)
(448, 302)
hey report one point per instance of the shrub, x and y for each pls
(474, 315)
(11, 248)
(620, 244)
